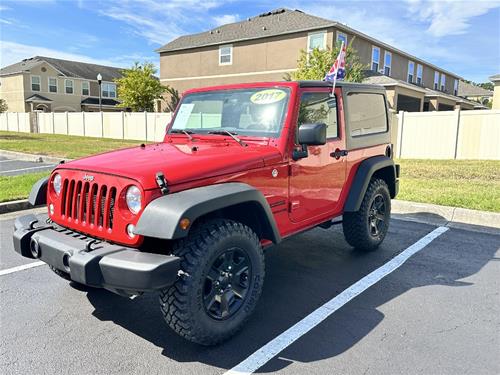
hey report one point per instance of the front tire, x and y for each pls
(366, 228)
(223, 267)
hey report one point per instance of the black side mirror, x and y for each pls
(310, 135)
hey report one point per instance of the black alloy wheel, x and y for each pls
(227, 283)
(377, 216)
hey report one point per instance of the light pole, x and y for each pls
(99, 81)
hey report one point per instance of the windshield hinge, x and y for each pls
(162, 182)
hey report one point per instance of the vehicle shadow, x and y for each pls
(303, 273)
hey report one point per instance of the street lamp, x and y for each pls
(99, 81)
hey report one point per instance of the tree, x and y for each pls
(314, 65)
(3, 106)
(139, 88)
(172, 100)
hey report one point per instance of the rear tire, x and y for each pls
(223, 267)
(366, 228)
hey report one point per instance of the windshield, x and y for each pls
(254, 112)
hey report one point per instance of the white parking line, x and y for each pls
(6, 160)
(27, 169)
(278, 344)
(21, 268)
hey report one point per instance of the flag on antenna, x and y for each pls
(337, 71)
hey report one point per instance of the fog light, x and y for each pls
(51, 209)
(130, 230)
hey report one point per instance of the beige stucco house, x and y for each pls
(266, 47)
(496, 91)
(54, 85)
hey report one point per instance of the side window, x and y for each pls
(367, 114)
(319, 107)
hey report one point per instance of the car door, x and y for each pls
(316, 181)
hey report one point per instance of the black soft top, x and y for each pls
(351, 85)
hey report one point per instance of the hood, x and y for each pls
(180, 162)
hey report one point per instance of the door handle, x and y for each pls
(338, 153)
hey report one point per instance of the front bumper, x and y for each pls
(123, 270)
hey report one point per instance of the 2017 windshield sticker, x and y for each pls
(268, 96)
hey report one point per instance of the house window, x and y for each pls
(443, 82)
(420, 71)
(52, 84)
(35, 83)
(108, 90)
(341, 37)
(226, 55)
(436, 80)
(387, 63)
(85, 88)
(411, 71)
(68, 86)
(455, 87)
(375, 58)
(316, 40)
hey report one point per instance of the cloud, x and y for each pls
(12, 52)
(449, 17)
(225, 19)
(161, 22)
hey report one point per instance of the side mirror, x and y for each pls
(312, 134)
(309, 135)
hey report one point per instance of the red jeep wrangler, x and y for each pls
(241, 167)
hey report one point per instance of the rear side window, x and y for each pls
(367, 114)
(318, 107)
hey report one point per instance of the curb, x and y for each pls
(454, 217)
(11, 206)
(32, 157)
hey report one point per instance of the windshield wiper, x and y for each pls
(183, 131)
(231, 134)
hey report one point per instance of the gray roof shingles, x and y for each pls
(276, 22)
(466, 89)
(74, 69)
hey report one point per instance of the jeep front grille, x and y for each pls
(89, 203)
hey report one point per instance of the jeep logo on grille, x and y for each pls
(88, 177)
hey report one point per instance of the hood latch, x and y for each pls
(162, 182)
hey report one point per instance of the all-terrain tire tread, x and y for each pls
(173, 300)
(354, 224)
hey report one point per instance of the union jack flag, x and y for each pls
(337, 71)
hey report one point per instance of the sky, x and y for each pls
(460, 36)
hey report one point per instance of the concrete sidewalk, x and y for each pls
(455, 217)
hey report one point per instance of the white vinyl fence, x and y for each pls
(143, 126)
(418, 135)
(447, 135)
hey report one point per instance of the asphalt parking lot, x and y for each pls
(439, 313)
(14, 167)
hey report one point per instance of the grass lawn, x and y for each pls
(65, 146)
(18, 187)
(473, 184)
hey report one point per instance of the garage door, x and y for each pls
(408, 104)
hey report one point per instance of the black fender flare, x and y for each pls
(364, 173)
(38, 193)
(161, 217)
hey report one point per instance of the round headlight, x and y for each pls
(133, 198)
(56, 182)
